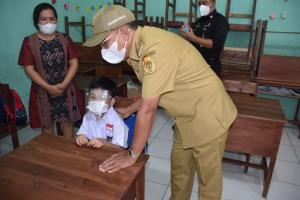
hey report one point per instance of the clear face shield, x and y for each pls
(99, 101)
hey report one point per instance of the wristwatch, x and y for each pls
(133, 155)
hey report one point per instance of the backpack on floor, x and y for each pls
(20, 112)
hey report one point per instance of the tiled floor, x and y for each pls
(285, 183)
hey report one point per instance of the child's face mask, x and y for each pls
(99, 101)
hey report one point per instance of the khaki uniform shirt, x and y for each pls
(170, 67)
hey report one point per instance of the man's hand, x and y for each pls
(82, 140)
(190, 36)
(116, 162)
(96, 143)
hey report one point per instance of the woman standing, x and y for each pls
(50, 61)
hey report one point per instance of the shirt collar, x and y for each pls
(133, 54)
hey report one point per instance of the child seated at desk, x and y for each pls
(102, 125)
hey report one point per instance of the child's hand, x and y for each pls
(81, 140)
(96, 143)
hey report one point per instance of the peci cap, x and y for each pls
(106, 20)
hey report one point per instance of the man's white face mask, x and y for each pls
(47, 29)
(97, 105)
(204, 10)
(112, 54)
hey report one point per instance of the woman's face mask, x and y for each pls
(98, 101)
(112, 54)
(47, 29)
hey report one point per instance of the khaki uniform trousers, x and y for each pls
(206, 160)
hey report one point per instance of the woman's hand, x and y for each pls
(62, 86)
(54, 90)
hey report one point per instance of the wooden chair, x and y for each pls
(192, 14)
(237, 70)
(158, 22)
(140, 11)
(120, 2)
(80, 24)
(10, 127)
(244, 56)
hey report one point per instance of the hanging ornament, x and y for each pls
(66, 6)
(77, 8)
(100, 7)
(273, 16)
(53, 2)
(92, 8)
(88, 9)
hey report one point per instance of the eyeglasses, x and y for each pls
(106, 43)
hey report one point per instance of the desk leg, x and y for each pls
(59, 129)
(268, 176)
(140, 185)
(296, 117)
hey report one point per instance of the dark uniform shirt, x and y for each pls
(213, 26)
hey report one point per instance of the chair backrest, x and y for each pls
(246, 27)
(191, 14)
(120, 2)
(11, 126)
(81, 24)
(140, 11)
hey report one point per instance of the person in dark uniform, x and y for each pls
(208, 34)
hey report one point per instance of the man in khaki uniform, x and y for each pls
(176, 77)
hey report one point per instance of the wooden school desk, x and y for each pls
(256, 131)
(53, 168)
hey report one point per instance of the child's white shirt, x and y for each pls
(111, 124)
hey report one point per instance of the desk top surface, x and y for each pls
(51, 167)
(279, 70)
(258, 107)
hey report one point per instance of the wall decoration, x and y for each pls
(53, 2)
(283, 15)
(77, 8)
(273, 16)
(88, 9)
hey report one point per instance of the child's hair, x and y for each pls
(104, 83)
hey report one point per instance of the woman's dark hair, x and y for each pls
(104, 83)
(37, 11)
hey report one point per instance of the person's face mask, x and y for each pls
(98, 101)
(204, 10)
(48, 28)
(112, 54)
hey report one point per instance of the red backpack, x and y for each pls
(20, 112)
